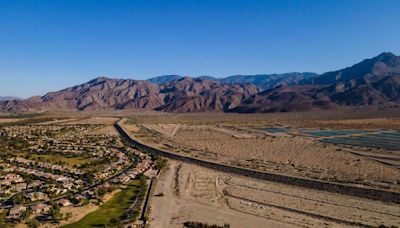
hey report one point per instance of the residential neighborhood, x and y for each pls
(47, 167)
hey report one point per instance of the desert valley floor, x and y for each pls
(357, 149)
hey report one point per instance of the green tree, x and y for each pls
(18, 199)
(160, 163)
(2, 219)
(26, 215)
(33, 223)
(56, 214)
(114, 221)
(68, 216)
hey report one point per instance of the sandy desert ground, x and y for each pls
(95, 120)
(295, 119)
(280, 153)
(9, 120)
(109, 130)
(192, 193)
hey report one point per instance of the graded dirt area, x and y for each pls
(393, 123)
(60, 121)
(248, 146)
(178, 205)
(9, 120)
(96, 120)
(109, 130)
(298, 119)
(293, 151)
(193, 193)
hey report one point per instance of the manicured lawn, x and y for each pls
(111, 212)
(52, 158)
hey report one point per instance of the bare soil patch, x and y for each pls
(109, 130)
(96, 120)
(213, 197)
(288, 154)
(9, 120)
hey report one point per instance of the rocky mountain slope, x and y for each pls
(197, 95)
(269, 81)
(263, 81)
(374, 81)
(385, 64)
(182, 95)
(164, 79)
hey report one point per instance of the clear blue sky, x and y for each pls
(49, 45)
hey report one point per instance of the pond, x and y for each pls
(384, 139)
(329, 133)
(276, 129)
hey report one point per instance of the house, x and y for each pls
(79, 198)
(8, 169)
(15, 178)
(151, 173)
(35, 183)
(5, 183)
(64, 203)
(122, 179)
(20, 187)
(58, 191)
(79, 182)
(68, 186)
(16, 212)
(34, 196)
(64, 180)
(101, 175)
(40, 208)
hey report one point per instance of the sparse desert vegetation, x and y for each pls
(285, 144)
(237, 141)
(216, 198)
(282, 144)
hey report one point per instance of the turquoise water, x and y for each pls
(329, 133)
(387, 140)
(276, 129)
(377, 139)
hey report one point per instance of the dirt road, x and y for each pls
(193, 193)
(178, 205)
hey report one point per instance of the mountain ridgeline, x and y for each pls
(9, 98)
(374, 82)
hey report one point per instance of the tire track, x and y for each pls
(310, 214)
(314, 200)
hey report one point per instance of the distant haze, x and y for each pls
(9, 98)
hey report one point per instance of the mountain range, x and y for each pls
(374, 82)
(263, 81)
(9, 98)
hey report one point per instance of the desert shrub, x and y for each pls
(203, 225)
